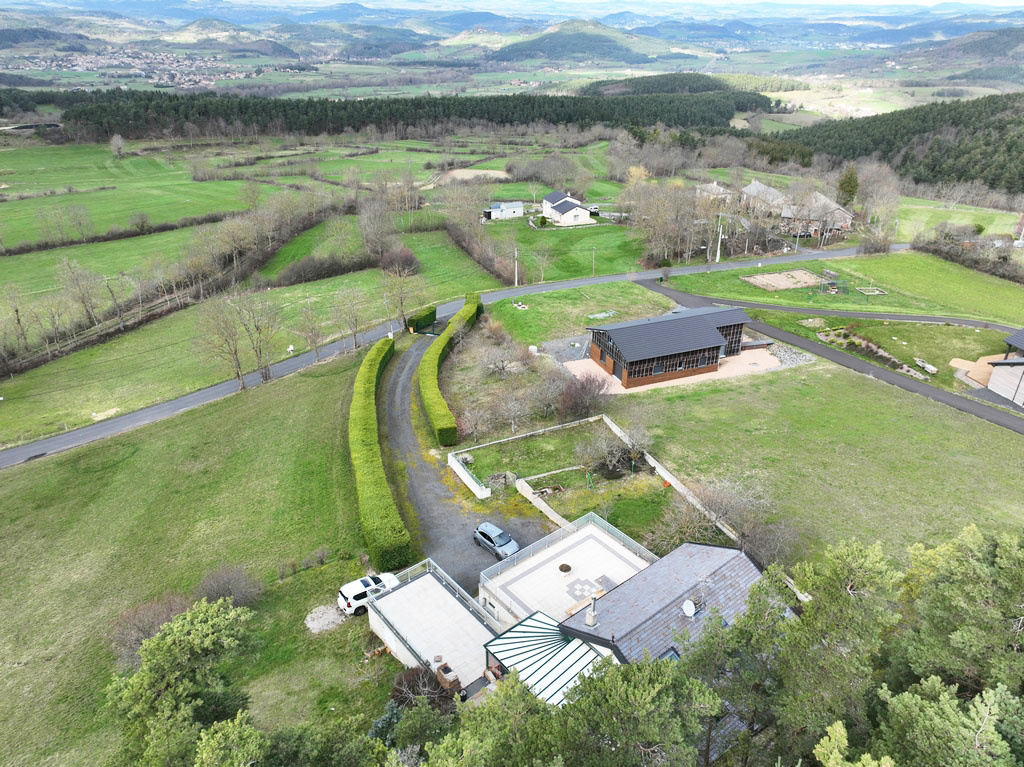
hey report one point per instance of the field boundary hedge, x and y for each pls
(442, 420)
(387, 538)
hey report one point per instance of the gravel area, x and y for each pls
(790, 356)
(324, 618)
(562, 349)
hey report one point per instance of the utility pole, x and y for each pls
(593, 261)
(515, 258)
(718, 253)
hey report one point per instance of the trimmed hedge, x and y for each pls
(386, 536)
(442, 421)
(422, 319)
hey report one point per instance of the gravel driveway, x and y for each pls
(445, 526)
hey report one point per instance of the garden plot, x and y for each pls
(794, 278)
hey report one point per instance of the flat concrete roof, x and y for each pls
(433, 621)
(599, 563)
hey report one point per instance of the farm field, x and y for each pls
(36, 272)
(916, 283)
(936, 344)
(841, 455)
(161, 360)
(343, 228)
(252, 480)
(565, 313)
(576, 251)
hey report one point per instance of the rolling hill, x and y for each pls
(579, 40)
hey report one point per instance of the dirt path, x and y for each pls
(445, 526)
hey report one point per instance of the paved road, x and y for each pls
(964, 404)
(445, 526)
(119, 424)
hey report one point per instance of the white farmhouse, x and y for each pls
(562, 209)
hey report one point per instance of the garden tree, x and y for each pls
(161, 708)
(738, 663)
(231, 743)
(826, 659)
(964, 611)
(512, 727)
(348, 311)
(141, 622)
(310, 327)
(422, 723)
(219, 334)
(322, 743)
(748, 511)
(634, 714)
(261, 322)
(534, 188)
(833, 749)
(511, 409)
(117, 145)
(847, 186)
(929, 726)
(603, 450)
(680, 523)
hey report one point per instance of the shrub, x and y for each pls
(582, 397)
(141, 623)
(400, 258)
(424, 318)
(233, 582)
(442, 421)
(386, 536)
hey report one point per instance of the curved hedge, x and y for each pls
(442, 421)
(387, 538)
(424, 318)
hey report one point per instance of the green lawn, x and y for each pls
(160, 360)
(36, 272)
(343, 229)
(570, 312)
(254, 480)
(575, 251)
(916, 283)
(842, 455)
(534, 455)
(937, 344)
(633, 503)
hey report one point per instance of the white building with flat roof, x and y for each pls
(559, 574)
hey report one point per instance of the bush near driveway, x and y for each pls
(442, 420)
(387, 538)
(424, 318)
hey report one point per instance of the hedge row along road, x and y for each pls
(442, 420)
(119, 424)
(386, 537)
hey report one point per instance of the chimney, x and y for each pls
(591, 617)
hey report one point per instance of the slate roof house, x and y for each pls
(763, 199)
(1008, 373)
(562, 209)
(676, 345)
(817, 214)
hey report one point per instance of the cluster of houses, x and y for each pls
(557, 607)
(813, 216)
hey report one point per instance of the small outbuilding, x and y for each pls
(676, 345)
(501, 210)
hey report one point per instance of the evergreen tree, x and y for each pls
(848, 185)
(231, 743)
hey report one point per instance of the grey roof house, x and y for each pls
(645, 615)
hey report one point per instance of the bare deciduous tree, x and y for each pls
(375, 226)
(310, 327)
(142, 622)
(746, 509)
(542, 255)
(534, 188)
(582, 396)
(348, 312)
(82, 285)
(220, 334)
(232, 582)
(16, 306)
(402, 289)
(79, 221)
(261, 322)
(512, 409)
(117, 145)
(680, 523)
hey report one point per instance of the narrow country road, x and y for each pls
(964, 404)
(119, 424)
(445, 527)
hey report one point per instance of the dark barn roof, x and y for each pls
(682, 331)
(645, 612)
(566, 205)
(555, 196)
(1016, 339)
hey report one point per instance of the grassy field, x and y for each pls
(36, 272)
(842, 455)
(254, 480)
(916, 283)
(569, 312)
(342, 228)
(937, 344)
(575, 251)
(161, 360)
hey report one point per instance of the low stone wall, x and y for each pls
(526, 490)
(469, 479)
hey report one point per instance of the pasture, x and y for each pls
(253, 480)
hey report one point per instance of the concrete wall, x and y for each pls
(387, 636)
(469, 480)
(628, 381)
(1008, 381)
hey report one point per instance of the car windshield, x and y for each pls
(501, 538)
